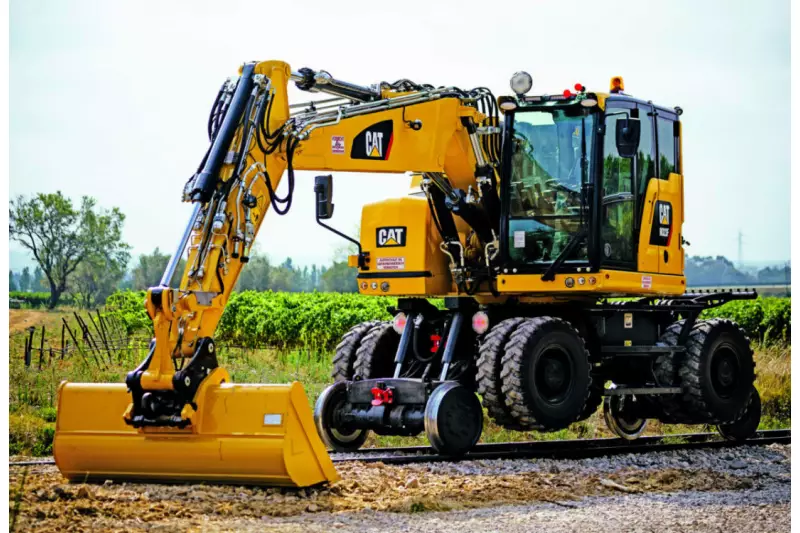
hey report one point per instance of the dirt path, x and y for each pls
(19, 319)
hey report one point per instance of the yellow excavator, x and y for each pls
(529, 218)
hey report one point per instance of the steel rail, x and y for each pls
(561, 449)
(554, 449)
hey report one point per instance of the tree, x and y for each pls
(12, 283)
(61, 237)
(284, 277)
(97, 277)
(37, 281)
(340, 278)
(255, 275)
(25, 282)
(149, 270)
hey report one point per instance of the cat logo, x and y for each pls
(391, 236)
(375, 142)
(663, 214)
(661, 232)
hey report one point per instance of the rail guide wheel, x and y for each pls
(336, 438)
(453, 419)
(621, 419)
(746, 426)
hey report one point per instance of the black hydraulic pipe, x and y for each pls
(452, 340)
(207, 178)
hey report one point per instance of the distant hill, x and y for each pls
(711, 271)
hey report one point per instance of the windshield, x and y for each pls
(546, 181)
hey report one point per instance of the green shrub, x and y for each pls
(29, 435)
(317, 320)
(48, 414)
(284, 319)
(128, 307)
(764, 319)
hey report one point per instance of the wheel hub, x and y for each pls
(553, 375)
(621, 419)
(724, 372)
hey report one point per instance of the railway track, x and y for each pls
(562, 449)
(555, 449)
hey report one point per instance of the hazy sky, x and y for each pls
(111, 99)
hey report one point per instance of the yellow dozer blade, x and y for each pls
(242, 433)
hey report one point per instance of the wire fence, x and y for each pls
(97, 339)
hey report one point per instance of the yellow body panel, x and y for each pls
(228, 442)
(415, 266)
(652, 258)
(606, 283)
(648, 255)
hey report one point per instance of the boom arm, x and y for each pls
(256, 138)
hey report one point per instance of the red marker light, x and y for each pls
(567, 93)
(579, 87)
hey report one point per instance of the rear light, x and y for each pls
(480, 322)
(399, 322)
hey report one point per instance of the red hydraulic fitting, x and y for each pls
(382, 395)
(436, 340)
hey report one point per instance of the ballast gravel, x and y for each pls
(727, 490)
(742, 461)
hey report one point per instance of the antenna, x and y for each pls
(741, 263)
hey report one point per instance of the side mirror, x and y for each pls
(628, 132)
(323, 187)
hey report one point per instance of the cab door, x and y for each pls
(648, 208)
(617, 195)
(667, 224)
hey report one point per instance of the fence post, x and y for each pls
(41, 349)
(27, 355)
(87, 336)
(99, 330)
(63, 346)
(77, 344)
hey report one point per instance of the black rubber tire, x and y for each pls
(335, 439)
(747, 426)
(593, 401)
(375, 354)
(529, 343)
(490, 355)
(665, 370)
(704, 349)
(345, 357)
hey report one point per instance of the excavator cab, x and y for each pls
(592, 181)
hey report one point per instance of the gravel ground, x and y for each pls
(741, 489)
(766, 510)
(742, 460)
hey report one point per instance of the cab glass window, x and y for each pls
(666, 147)
(646, 164)
(617, 204)
(551, 159)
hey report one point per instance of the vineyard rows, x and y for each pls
(318, 320)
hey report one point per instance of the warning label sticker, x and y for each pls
(519, 239)
(628, 320)
(391, 263)
(647, 282)
(337, 144)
